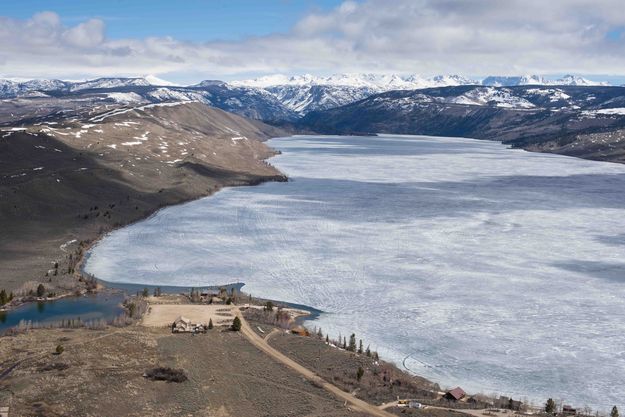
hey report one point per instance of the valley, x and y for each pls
(586, 122)
(571, 115)
(82, 160)
(313, 208)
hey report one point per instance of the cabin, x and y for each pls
(4, 411)
(515, 405)
(181, 325)
(567, 410)
(184, 325)
(455, 394)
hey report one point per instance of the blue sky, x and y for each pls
(187, 41)
(188, 20)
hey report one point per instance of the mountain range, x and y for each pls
(583, 121)
(526, 111)
(275, 97)
(183, 141)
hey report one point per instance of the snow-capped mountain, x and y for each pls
(497, 81)
(305, 98)
(108, 83)
(154, 80)
(305, 93)
(279, 97)
(170, 94)
(9, 88)
(577, 80)
(208, 83)
(379, 82)
(43, 85)
(451, 80)
(483, 96)
(533, 116)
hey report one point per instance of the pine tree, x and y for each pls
(360, 373)
(550, 406)
(236, 324)
(614, 412)
(3, 297)
(352, 343)
(344, 342)
(327, 339)
(210, 324)
(360, 350)
(146, 292)
(41, 290)
(368, 351)
(132, 308)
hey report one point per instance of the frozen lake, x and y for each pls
(475, 265)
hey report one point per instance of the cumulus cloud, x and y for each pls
(86, 35)
(479, 37)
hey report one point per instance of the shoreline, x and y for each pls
(81, 277)
(301, 320)
(102, 285)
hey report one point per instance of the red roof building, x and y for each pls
(455, 394)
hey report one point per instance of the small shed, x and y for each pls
(455, 394)
(414, 404)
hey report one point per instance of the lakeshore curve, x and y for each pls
(262, 345)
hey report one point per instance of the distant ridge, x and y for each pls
(271, 97)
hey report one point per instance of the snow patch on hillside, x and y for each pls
(490, 96)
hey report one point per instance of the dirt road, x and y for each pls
(262, 344)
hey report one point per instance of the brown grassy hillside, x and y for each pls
(67, 180)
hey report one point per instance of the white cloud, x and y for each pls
(425, 36)
(89, 34)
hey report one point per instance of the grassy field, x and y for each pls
(100, 373)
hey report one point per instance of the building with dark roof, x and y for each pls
(455, 394)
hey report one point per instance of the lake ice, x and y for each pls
(466, 262)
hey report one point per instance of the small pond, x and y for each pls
(105, 306)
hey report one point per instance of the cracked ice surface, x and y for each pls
(472, 264)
